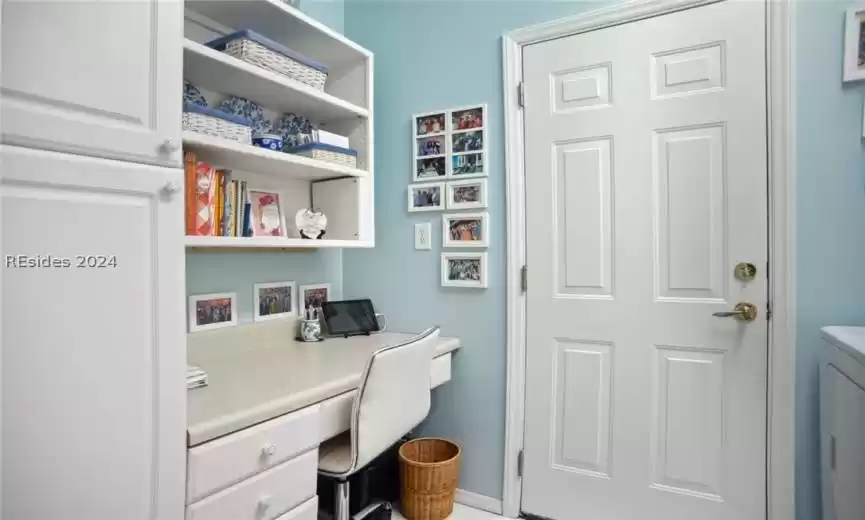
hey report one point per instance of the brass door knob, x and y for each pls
(743, 311)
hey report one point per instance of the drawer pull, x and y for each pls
(264, 502)
(268, 450)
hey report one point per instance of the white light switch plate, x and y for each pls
(422, 239)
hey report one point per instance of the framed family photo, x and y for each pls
(274, 300)
(468, 194)
(312, 296)
(464, 270)
(465, 230)
(854, 45)
(426, 197)
(212, 311)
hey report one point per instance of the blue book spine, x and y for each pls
(247, 226)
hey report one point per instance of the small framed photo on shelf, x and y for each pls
(429, 168)
(430, 124)
(471, 118)
(467, 165)
(465, 230)
(467, 194)
(267, 219)
(312, 296)
(426, 197)
(212, 311)
(274, 300)
(464, 270)
(854, 45)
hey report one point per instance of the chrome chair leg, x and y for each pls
(340, 501)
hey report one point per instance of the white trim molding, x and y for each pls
(780, 465)
(478, 501)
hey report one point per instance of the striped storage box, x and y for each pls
(209, 121)
(267, 54)
(327, 153)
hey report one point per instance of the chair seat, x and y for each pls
(334, 456)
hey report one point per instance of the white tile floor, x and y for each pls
(461, 512)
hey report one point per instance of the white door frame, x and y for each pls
(782, 374)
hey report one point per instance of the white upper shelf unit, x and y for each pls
(217, 71)
(237, 156)
(284, 24)
(270, 243)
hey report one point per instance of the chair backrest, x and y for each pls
(393, 398)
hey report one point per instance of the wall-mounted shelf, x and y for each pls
(237, 156)
(228, 243)
(285, 24)
(219, 72)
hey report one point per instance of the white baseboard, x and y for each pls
(482, 502)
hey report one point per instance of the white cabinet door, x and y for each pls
(100, 78)
(93, 344)
(846, 437)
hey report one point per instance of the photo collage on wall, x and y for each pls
(449, 166)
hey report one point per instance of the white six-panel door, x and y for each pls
(94, 77)
(93, 340)
(645, 161)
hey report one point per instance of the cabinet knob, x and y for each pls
(268, 450)
(170, 188)
(264, 502)
(169, 146)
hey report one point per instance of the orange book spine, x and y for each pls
(189, 180)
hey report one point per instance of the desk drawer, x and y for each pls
(225, 461)
(306, 511)
(263, 497)
(440, 370)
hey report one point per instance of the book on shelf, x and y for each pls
(216, 204)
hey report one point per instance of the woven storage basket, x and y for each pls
(267, 54)
(212, 122)
(428, 470)
(327, 153)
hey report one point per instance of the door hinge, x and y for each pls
(520, 463)
(524, 278)
(768, 310)
(521, 99)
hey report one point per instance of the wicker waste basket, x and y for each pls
(428, 470)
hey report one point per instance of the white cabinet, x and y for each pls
(842, 401)
(100, 78)
(93, 343)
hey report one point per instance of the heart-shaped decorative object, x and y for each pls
(310, 224)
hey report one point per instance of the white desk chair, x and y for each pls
(393, 398)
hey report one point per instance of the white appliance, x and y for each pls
(842, 423)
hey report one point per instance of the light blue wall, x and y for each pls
(329, 12)
(237, 272)
(830, 217)
(431, 55)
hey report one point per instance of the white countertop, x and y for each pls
(851, 339)
(257, 372)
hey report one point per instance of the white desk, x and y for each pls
(258, 372)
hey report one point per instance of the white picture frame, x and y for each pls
(412, 200)
(200, 305)
(302, 298)
(453, 188)
(481, 262)
(463, 219)
(433, 138)
(254, 195)
(854, 44)
(278, 310)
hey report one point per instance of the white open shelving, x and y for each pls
(239, 156)
(217, 71)
(344, 194)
